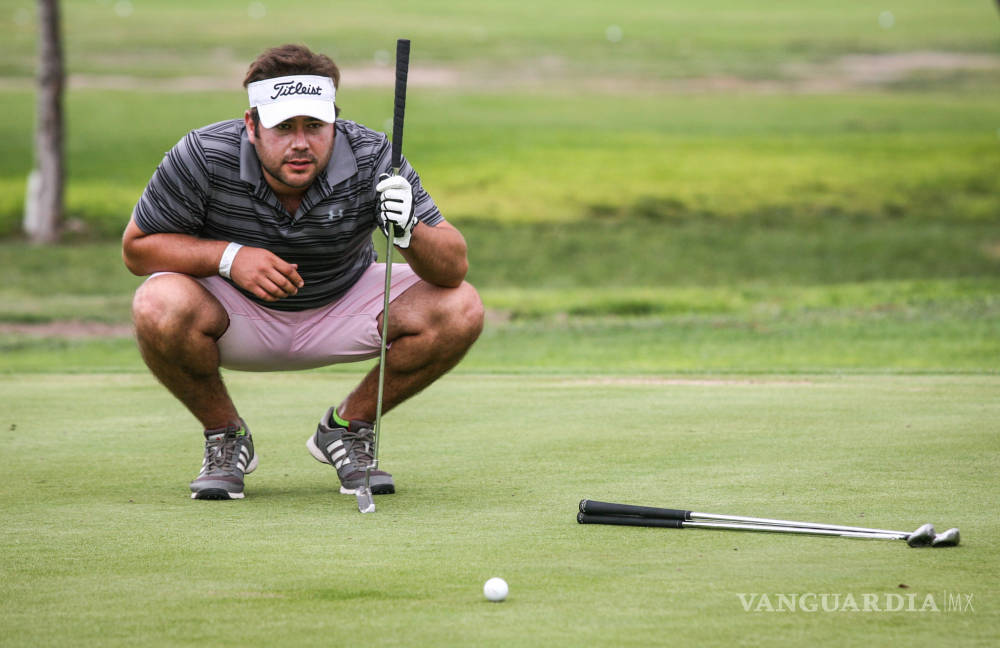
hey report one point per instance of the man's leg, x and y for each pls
(430, 330)
(177, 324)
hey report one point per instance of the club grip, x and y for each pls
(624, 520)
(399, 107)
(610, 508)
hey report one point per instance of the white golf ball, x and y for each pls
(495, 589)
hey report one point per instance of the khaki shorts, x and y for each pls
(263, 339)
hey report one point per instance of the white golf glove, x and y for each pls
(395, 205)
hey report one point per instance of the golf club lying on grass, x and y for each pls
(592, 512)
(366, 502)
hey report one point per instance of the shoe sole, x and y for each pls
(377, 489)
(216, 494)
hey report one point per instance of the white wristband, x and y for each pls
(226, 262)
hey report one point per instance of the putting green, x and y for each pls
(101, 544)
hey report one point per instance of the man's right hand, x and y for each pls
(265, 274)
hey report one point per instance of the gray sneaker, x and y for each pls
(349, 450)
(228, 456)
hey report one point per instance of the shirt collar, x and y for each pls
(343, 164)
(250, 171)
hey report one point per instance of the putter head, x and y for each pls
(366, 502)
(922, 537)
(949, 538)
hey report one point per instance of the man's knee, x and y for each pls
(467, 313)
(173, 304)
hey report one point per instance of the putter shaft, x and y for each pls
(382, 346)
(385, 333)
(770, 528)
(713, 517)
(366, 502)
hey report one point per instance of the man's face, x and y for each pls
(293, 152)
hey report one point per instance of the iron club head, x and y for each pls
(366, 502)
(922, 537)
(949, 538)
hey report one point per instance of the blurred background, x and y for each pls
(719, 186)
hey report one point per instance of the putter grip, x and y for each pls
(399, 107)
(624, 520)
(652, 512)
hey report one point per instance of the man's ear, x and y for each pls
(248, 120)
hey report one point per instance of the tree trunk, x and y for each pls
(43, 211)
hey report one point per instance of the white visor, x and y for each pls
(285, 97)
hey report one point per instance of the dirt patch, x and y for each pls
(68, 329)
(868, 70)
(384, 76)
(361, 77)
(855, 71)
(883, 68)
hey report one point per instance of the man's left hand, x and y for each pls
(395, 206)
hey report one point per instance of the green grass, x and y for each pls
(102, 546)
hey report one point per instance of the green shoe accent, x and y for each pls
(349, 450)
(336, 420)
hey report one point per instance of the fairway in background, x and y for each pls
(634, 38)
(791, 112)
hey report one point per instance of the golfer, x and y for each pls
(257, 236)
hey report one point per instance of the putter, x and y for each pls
(366, 501)
(592, 512)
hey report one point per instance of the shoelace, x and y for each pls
(360, 444)
(220, 453)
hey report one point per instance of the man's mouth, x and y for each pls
(299, 164)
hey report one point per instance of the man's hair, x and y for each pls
(287, 60)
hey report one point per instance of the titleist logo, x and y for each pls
(286, 88)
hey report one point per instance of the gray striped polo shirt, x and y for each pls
(210, 185)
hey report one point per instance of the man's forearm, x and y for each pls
(190, 255)
(438, 254)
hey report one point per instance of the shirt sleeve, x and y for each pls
(423, 205)
(176, 197)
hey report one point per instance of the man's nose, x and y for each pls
(299, 140)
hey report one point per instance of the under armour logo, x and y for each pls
(334, 216)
